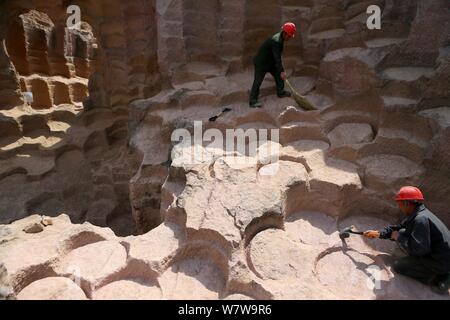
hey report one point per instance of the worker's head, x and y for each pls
(407, 207)
(408, 198)
(289, 30)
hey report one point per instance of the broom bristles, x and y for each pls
(301, 100)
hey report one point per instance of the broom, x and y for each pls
(301, 100)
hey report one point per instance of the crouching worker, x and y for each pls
(424, 237)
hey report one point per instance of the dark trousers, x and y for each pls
(423, 269)
(260, 73)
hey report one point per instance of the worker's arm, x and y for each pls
(276, 51)
(387, 232)
(418, 242)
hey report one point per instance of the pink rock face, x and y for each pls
(238, 297)
(127, 290)
(349, 134)
(349, 76)
(350, 274)
(101, 142)
(6, 291)
(312, 228)
(53, 288)
(155, 246)
(273, 256)
(94, 262)
(306, 260)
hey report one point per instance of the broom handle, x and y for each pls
(291, 88)
(289, 85)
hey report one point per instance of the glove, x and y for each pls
(372, 234)
(386, 233)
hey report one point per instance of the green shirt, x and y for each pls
(269, 54)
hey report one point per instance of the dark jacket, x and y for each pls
(423, 234)
(269, 54)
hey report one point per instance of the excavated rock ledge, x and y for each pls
(265, 242)
(95, 144)
(301, 258)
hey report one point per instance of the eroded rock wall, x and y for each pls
(67, 150)
(83, 149)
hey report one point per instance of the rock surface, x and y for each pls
(112, 137)
(6, 291)
(52, 288)
(270, 256)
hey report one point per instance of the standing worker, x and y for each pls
(424, 237)
(268, 59)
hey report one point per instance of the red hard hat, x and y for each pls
(409, 193)
(290, 29)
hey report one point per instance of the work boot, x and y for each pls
(441, 287)
(256, 104)
(284, 94)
